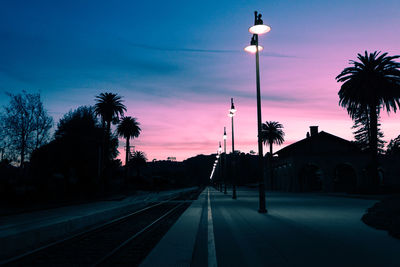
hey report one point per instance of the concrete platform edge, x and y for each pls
(176, 247)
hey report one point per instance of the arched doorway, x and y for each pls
(345, 179)
(310, 178)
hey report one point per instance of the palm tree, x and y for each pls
(109, 107)
(128, 128)
(272, 134)
(371, 83)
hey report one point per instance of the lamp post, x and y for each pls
(258, 28)
(231, 114)
(224, 160)
(215, 178)
(219, 165)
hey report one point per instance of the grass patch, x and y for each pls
(385, 215)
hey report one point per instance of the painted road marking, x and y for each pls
(212, 255)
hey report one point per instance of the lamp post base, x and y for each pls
(262, 211)
(234, 192)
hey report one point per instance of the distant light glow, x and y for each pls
(252, 49)
(259, 29)
(231, 114)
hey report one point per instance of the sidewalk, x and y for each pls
(23, 232)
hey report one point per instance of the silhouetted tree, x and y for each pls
(393, 146)
(5, 144)
(373, 82)
(362, 133)
(25, 124)
(74, 153)
(128, 128)
(109, 107)
(272, 133)
(138, 160)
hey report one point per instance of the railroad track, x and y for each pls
(123, 241)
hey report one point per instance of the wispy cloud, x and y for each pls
(197, 50)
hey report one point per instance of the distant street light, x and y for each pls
(224, 160)
(231, 114)
(220, 165)
(258, 28)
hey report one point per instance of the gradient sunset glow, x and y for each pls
(177, 64)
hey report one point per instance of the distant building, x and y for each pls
(171, 158)
(320, 162)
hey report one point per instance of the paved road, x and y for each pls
(299, 230)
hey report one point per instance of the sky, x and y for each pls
(177, 64)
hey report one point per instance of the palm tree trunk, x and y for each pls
(126, 163)
(106, 152)
(127, 152)
(374, 145)
(271, 173)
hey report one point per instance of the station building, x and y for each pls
(325, 162)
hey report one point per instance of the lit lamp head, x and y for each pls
(232, 110)
(224, 133)
(259, 27)
(252, 48)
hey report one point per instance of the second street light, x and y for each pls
(258, 28)
(231, 114)
(224, 160)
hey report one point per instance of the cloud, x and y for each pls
(52, 61)
(196, 50)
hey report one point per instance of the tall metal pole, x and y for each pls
(225, 160)
(261, 187)
(220, 165)
(234, 196)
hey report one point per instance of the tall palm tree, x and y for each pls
(272, 133)
(109, 107)
(128, 128)
(371, 83)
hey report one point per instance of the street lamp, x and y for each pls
(258, 28)
(231, 114)
(224, 160)
(220, 165)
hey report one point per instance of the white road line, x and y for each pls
(212, 255)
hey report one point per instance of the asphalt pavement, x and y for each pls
(299, 230)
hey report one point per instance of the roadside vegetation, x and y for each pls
(385, 215)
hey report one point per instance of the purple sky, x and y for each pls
(178, 63)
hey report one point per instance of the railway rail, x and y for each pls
(123, 241)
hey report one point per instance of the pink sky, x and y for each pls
(177, 64)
